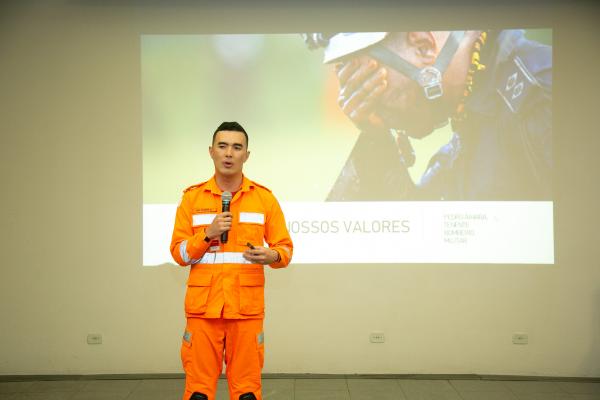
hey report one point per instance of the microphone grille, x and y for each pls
(226, 196)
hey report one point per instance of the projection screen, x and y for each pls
(372, 184)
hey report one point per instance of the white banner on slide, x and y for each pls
(515, 232)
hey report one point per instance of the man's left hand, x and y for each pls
(261, 255)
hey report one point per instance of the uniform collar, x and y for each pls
(211, 185)
(247, 184)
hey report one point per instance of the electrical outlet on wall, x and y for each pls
(94, 338)
(520, 338)
(377, 337)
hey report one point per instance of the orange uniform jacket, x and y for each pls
(222, 284)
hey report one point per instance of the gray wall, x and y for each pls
(70, 242)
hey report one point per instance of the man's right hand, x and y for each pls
(362, 82)
(221, 223)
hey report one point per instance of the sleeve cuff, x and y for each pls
(197, 246)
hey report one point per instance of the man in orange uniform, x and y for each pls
(224, 302)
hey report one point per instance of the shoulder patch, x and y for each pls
(519, 78)
(515, 84)
(194, 186)
(261, 186)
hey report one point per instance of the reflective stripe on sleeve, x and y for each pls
(183, 252)
(286, 249)
(222, 258)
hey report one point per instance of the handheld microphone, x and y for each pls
(225, 200)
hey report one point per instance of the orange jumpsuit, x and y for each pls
(224, 302)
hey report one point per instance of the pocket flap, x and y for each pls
(200, 279)
(202, 219)
(252, 280)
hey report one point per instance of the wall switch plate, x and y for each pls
(520, 338)
(94, 338)
(377, 337)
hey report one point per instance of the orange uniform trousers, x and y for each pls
(204, 343)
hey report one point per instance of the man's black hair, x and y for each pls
(231, 126)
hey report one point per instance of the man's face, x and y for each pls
(402, 105)
(229, 152)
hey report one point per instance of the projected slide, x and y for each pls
(382, 147)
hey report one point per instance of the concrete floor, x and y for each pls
(309, 389)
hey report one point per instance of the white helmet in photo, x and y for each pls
(346, 43)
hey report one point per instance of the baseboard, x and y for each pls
(24, 378)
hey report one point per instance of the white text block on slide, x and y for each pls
(515, 232)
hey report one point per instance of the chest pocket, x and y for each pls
(201, 221)
(251, 229)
